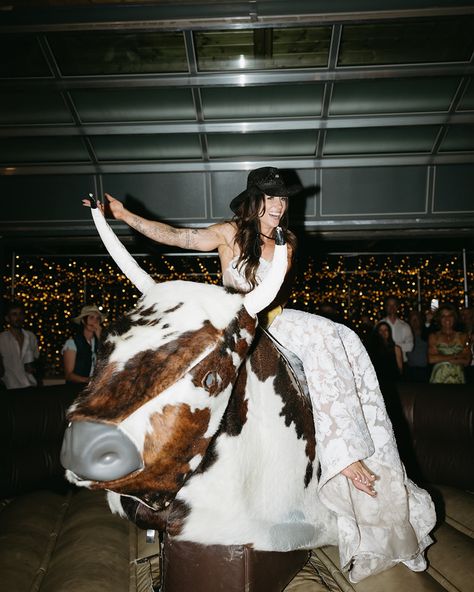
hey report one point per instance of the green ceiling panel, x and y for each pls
(373, 191)
(458, 138)
(262, 101)
(263, 48)
(147, 147)
(97, 52)
(45, 197)
(453, 189)
(378, 140)
(21, 56)
(278, 144)
(166, 196)
(17, 107)
(467, 102)
(407, 95)
(37, 150)
(444, 39)
(135, 104)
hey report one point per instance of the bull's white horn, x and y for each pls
(264, 294)
(139, 277)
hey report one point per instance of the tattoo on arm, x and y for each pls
(190, 238)
(162, 233)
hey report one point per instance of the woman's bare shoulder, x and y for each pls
(227, 230)
(462, 337)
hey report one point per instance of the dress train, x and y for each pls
(352, 424)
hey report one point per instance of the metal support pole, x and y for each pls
(464, 266)
(12, 282)
(418, 288)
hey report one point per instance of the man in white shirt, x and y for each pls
(401, 331)
(18, 350)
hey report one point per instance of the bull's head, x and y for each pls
(162, 383)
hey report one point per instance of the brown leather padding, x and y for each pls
(220, 568)
(441, 422)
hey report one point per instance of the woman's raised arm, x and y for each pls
(199, 239)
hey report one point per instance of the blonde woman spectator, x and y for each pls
(467, 322)
(448, 349)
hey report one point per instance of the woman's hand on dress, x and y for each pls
(361, 477)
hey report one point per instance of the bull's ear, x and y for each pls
(138, 276)
(264, 294)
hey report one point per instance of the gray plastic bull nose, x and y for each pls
(98, 452)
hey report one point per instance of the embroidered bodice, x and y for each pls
(233, 276)
(449, 349)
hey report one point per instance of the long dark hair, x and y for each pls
(247, 221)
(390, 343)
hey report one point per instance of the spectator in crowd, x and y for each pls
(385, 354)
(401, 331)
(19, 352)
(429, 326)
(467, 326)
(365, 328)
(417, 358)
(80, 351)
(448, 349)
(387, 359)
(331, 311)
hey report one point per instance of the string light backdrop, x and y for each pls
(53, 290)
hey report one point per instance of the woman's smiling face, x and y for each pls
(272, 211)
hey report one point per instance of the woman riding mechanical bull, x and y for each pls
(383, 518)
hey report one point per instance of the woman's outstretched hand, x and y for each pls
(361, 477)
(115, 206)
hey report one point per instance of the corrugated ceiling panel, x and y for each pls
(445, 39)
(458, 138)
(378, 140)
(101, 52)
(25, 107)
(262, 101)
(408, 95)
(147, 147)
(300, 143)
(134, 104)
(21, 56)
(42, 149)
(467, 102)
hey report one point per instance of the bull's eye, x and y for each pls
(211, 381)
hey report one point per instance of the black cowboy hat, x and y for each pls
(268, 179)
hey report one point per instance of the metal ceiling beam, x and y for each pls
(413, 226)
(240, 165)
(222, 15)
(238, 127)
(308, 75)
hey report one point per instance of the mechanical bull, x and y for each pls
(195, 422)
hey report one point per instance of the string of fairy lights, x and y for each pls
(53, 290)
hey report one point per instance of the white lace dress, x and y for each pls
(351, 424)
